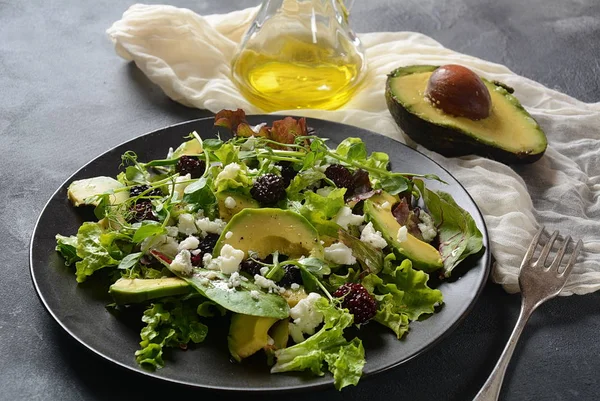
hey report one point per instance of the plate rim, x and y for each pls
(481, 283)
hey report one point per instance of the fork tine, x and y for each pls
(532, 246)
(546, 249)
(559, 255)
(572, 259)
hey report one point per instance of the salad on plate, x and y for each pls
(292, 241)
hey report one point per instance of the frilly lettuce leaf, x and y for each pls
(67, 246)
(345, 360)
(169, 324)
(97, 249)
(319, 210)
(458, 234)
(404, 292)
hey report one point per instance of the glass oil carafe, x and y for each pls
(299, 54)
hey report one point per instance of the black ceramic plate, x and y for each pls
(80, 309)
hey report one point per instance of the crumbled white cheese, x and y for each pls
(255, 294)
(340, 254)
(207, 226)
(427, 227)
(266, 283)
(195, 252)
(325, 191)
(172, 231)
(345, 218)
(373, 237)
(295, 286)
(180, 183)
(402, 234)
(230, 203)
(234, 280)
(229, 172)
(206, 259)
(182, 263)
(263, 270)
(305, 317)
(189, 243)
(385, 205)
(186, 224)
(228, 234)
(228, 260)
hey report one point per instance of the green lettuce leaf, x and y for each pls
(319, 210)
(345, 360)
(97, 249)
(404, 292)
(303, 180)
(172, 323)
(67, 247)
(458, 234)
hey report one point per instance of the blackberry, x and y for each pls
(292, 275)
(251, 267)
(141, 211)
(139, 189)
(190, 165)
(341, 176)
(287, 172)
(358, 301)
(268, 189)
(361, 182)
(206, 246)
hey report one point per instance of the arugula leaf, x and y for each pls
(67, 246)
(172, 323)
(198, 195)
(97, 249)
(344, 359)
(353, 149)
(148, 229)
(316, 266)
(370, 258)
(458, 234)
(130, 261)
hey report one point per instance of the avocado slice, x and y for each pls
(188, 148)
(378, 210)
(248, 334)
(80, 190)
(267, 230)
(509, 134)
(132, 291)
(241, 202)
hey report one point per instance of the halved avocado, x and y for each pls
(509, 134)
(267, 230)
(248, 334)
(241, 202)
(132, 291)
(378, 210)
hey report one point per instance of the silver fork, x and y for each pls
(538, 284)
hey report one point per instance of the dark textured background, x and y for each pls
(65, 97)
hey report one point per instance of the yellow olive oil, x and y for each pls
(297, 75)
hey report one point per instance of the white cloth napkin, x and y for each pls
(189, 57)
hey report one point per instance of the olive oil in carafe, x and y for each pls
(298, 75)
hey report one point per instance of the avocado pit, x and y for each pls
(458, 91)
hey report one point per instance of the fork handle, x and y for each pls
(491, 388)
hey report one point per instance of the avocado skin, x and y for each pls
(449, 142)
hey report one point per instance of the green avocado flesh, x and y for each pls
(248, 334)
(241, 202)
(267, 230)
(133, 291)
(378, 210)
(509, 134)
